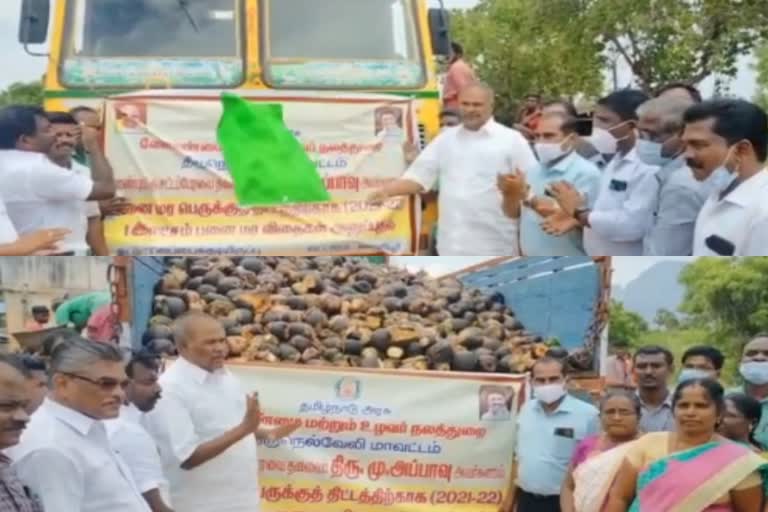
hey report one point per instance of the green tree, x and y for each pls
(25, 93)
(761, 67)
(728, 295)
(673, 40)
(626, 325)
(521, 47)
(666, 320)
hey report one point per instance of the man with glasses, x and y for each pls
(65, 457)
(129, 435)
(681, 196)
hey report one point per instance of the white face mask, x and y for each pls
(604, 141)
(755, 372)
(549, 393)
(549, 151)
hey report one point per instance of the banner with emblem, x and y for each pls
(383, 440)
(167, 161)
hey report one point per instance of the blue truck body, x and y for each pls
(553, 297)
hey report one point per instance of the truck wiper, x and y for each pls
(184, 4)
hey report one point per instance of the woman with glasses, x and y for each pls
(597, 458)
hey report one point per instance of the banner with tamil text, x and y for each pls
(168, 163)
(384, 440)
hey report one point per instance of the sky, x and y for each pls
(18, 66)
(625, 268)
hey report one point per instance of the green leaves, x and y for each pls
(761, 97)
(29, 93)
(626, 325)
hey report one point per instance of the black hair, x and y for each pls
(619, 343)
(145, 358)
(61, 118)
(735, 120)
(40, 309)
(457, 49)
(533, 95)
(32, 363)
(750, 408)
(715, 356)
(693, 92)
(82, 108)
(17, 121)
(550, 359)
(569, 107)
(624, 393)
(449, 112)
(713, 388)
(624, 103)
(652, 350)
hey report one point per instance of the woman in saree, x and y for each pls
(598, 457)
(693, 469)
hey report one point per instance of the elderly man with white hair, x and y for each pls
(680, 196)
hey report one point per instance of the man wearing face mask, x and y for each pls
(525, 196)
(550, 425)
(701, 362)
(730, 137)
(623, 212)
(754, 371)
(681, 196)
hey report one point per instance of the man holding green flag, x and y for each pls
(267, 163)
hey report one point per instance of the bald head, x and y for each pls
(476, 101)
(201, 340)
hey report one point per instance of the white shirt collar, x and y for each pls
(75, 419)
(131, 413)
(745, 193)
(195, 373)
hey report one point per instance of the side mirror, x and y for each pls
(33, 27)
(439, 28)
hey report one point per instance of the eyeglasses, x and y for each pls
(105, 384)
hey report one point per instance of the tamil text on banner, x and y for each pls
(384, 440)
(168, 163)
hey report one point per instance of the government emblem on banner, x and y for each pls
(348, 389)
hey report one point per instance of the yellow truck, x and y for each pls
(102, 48)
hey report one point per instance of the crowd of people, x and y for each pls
(56, 184)
(84, 429)
(646, 447)
(669, 175)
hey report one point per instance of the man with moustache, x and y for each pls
(727, 140)
(65, 457)
(14, 497)
(467, 161)
(37, 192)
(129, 435)
(87, 233)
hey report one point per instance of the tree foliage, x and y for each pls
(557, 47)
(626, 325)
(666, 319)
(761, 97)
(674, 40)
(22, 93)
(728, 295)
(521, 47)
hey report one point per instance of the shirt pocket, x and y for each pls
(563, 447)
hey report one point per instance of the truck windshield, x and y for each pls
(348, 43)
(119, 30)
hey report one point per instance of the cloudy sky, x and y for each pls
(625, 268)
(18, 66)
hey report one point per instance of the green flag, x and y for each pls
(267, 163)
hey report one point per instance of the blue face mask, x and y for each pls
(721, 179)
(692, 373)
(755, 372)
(649, 152)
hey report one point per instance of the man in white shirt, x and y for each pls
(206, 426)
(623, 212)
(64, 456)
(129, 436)
(681, 196)
(88, 229)
(467, 161)
(37, 242)
(730, 137)
(38, 193)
